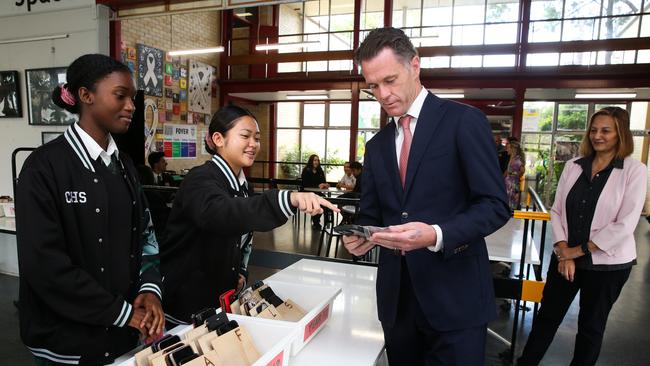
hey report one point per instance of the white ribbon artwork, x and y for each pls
(150, 70)
(199, 89)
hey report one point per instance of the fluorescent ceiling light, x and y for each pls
(33, 39)
(243, 15)
(307, 96)
(451, 95)
(196, 51)
(282, 46)
(605, 95)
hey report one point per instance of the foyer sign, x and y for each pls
(24, 7)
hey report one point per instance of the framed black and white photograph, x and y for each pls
(10, 95)
(41, 110)
(49, 136)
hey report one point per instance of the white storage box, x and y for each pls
(272, 339)
(315, 300)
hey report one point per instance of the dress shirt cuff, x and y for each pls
(439, 244)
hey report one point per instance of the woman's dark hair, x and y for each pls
(85, 72)
(222, 121)
(310, 163)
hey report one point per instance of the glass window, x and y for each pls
(619, 27)
(645, 26)
(338, 149)
(619, 7)
(538, 116)
(548, 31)
(290, 66)
(313, 66)
(434, 36)
(581, 9)
(340, 115)
(501, 11)
(638, 114)
(288, 114)
(372, 14)
(572, 117)
(466, 61)
(469, 11)
(598, 107)
(498, 60)
(566, 148)
(542, 59)
(537, 148)
(437, 12)
(362, 138)
(316, 17)
(616, 57)
(369, 112)
(435, 62)
(578, 58)
(643, 57)
(313, 142)
(406, 13)
(546, 9)
(580, 30)
(500, 33)
(340, 41)
(288, 144)
(314, 114)
(467, 34)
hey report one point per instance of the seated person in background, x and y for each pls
(348, 180)
(357, 169)
(313, 176)
(158, 165)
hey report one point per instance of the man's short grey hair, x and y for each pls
(381, 38)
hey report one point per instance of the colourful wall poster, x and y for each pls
(180, 141)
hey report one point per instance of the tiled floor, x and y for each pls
(626, 341)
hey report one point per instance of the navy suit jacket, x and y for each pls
(452, 180)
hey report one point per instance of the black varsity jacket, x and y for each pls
(74, 308)
(205, 239)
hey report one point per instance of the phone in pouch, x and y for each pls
(225, 300)
(270, 296)
(201, 316)
(214, 322)
(257, 285)
(164, 342)
(182, 354)
(227, 327)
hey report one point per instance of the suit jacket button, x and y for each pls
(405, 215)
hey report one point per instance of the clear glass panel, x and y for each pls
(338, 150)
(343, 22)
(406, 13)
(572, 117)
(501, 11)
(578, 58)
(435, 62)
(437, 12)
(314, 114)
(369, 112)
(316, 18)
(643, 57)
(313, 142)
(340, 41)
(638, 147)
(372, 14)
(340, 114)
(645, 26)
(434, 36)
(537, 148)
(581, 9)
(288, 144)
(500, 33)
(466, 61)
(467, 34)
(321, 38)
(566, 148)
(340, 65)
(316, 66)
(620, 27)
(546, 9)
(615, 57)
(542, 59)
(469, 11)
(618, 7)
(290, 67)
(580, 30)
(498, 60)
(290, 18)
(362, 138)
(548, 31)
(287, 39)
(638, 115)
(538, 116)
(598, 107)
(288, 114)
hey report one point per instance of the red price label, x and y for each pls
(277, 360)
(317, 322)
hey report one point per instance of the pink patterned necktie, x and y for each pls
(405, 122)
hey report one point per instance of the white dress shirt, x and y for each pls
(414, 112)
(93, 147)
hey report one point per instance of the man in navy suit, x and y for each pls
(431, 176)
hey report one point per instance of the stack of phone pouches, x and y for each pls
(147, 355)
(236, 347)
(285, 309)
(158, 358)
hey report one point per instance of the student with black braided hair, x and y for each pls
(88, 257)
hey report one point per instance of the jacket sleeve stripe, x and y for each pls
(285, 203)
(75, 146)
(151, 287)
(124, 315)
(55, 357)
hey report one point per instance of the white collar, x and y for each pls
(93, 148)
(416, 106)
(235, 182)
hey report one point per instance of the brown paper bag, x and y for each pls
(208, 359)
(236, 348)
(270, 313)
(204, 342)
(290, 311)
(141, 357)
(196, 333)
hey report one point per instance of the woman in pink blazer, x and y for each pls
(597, 207)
